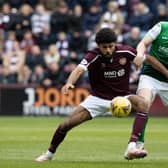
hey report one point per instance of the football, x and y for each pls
(120, 106)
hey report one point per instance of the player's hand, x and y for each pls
(66, 87)
(138, 61)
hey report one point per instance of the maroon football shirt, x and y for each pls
(109, 77)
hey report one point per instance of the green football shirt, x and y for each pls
(158, 49)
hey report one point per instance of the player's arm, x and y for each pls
(141, 49)
(150, 36)
(73, 77)
(143, 45)
(157, 65)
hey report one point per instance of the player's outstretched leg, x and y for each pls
(135, 149)
(140, 152)
(79, 116)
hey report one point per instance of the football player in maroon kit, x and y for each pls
(108, 68)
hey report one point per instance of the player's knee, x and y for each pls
(143, 106)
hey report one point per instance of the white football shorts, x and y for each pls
(96, 106)
(157, 87)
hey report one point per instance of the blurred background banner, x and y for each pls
(38, 101)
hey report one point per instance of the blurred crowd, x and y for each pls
(42, 41)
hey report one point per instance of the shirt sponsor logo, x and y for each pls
(164, 38)
(114, 74)
(163, 50)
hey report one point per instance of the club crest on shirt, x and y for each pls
(123, 61)
(84, 62)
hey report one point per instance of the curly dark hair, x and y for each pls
(105, 35)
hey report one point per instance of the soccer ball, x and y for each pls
(120, 106)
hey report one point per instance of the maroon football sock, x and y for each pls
(58, 137)
(138, 126)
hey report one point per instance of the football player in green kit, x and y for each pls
(153, 81)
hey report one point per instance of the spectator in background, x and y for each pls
(142, 17)
(45, 38)
(9, 42)
(25, 13)
(76, 18)
(162, 13)
(52, 76)
(27, 42)
(91, 18)
(34, 58)
(8, 18)
(131, 4)
(113, 18)
(52, 55)
(40, 19)
(24, 75)
(37, 75)
(124, 7)
(69, 65)
(60, 18)
(133, 38)
(77, 43)
(152, 5)
(91, 44)
(63, 44)
(13, 63)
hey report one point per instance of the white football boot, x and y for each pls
(45, 157)
(133, 153)
(139, 145)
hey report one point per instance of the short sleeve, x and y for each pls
(89, 58)
(154, 32)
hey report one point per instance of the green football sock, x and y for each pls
(141, 138)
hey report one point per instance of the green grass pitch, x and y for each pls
(99, 143)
